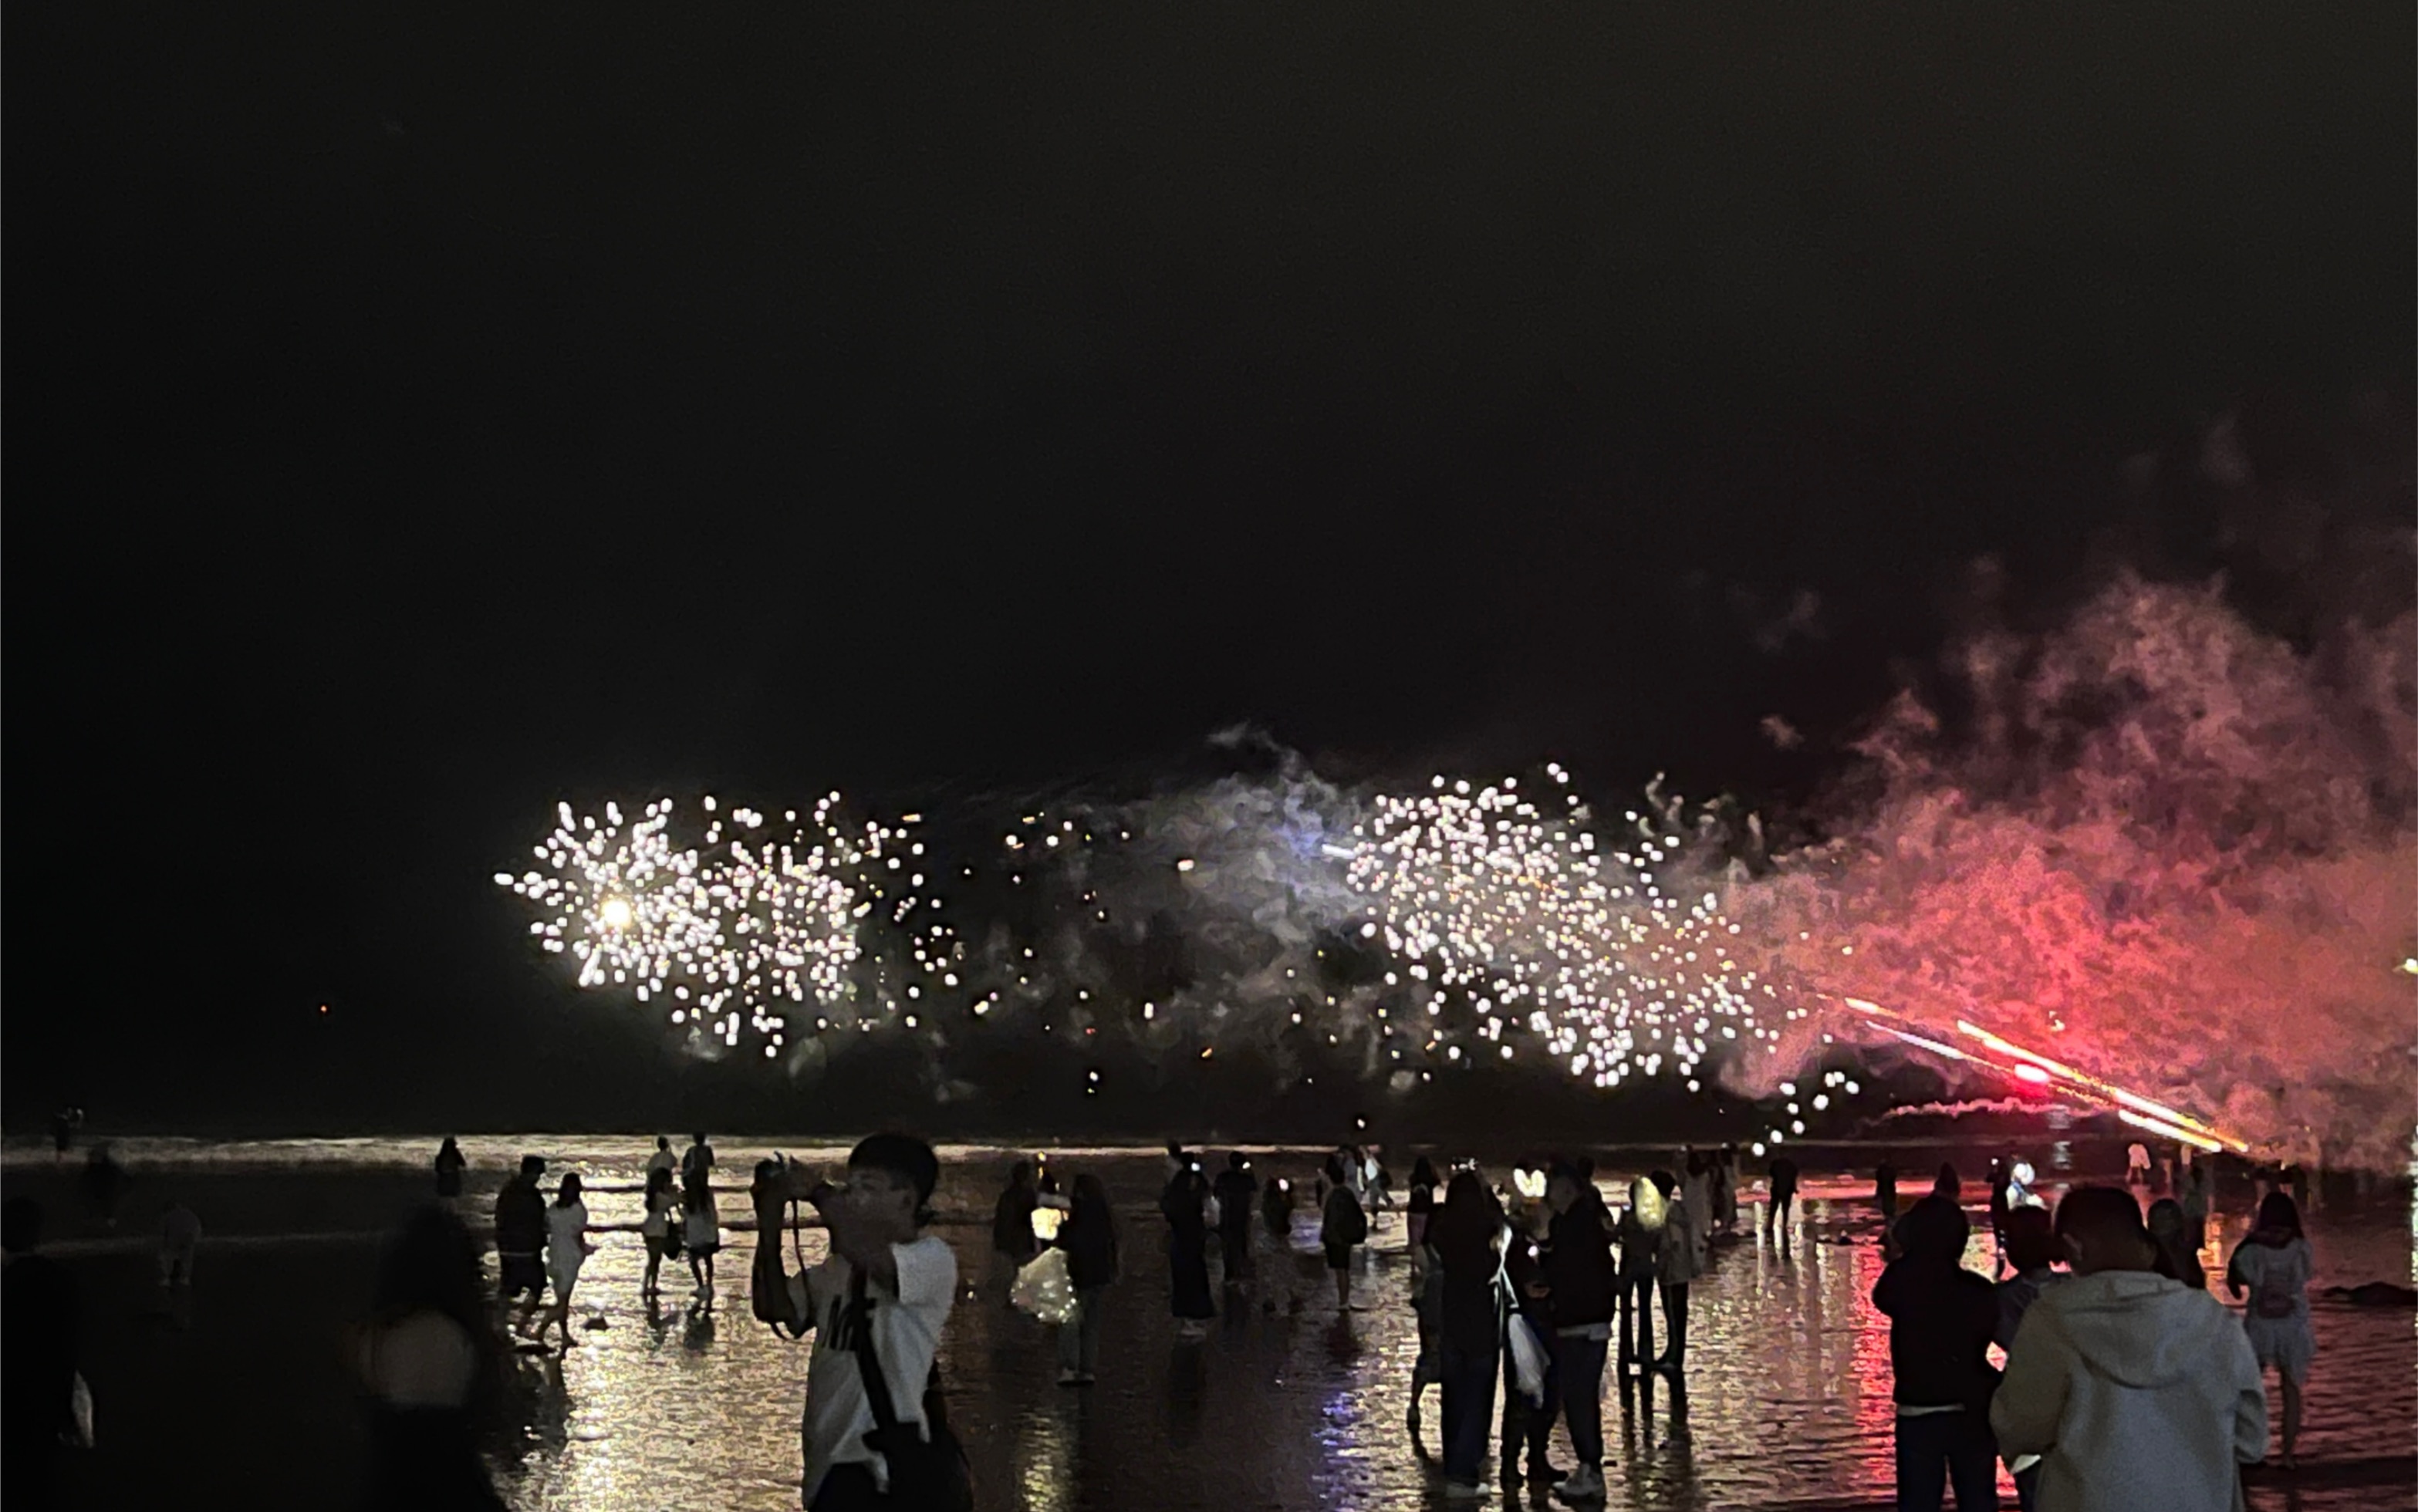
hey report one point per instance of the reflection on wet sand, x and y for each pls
(1785, 1401)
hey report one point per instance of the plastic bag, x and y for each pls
(1043, 1287)
(1527, 1358)
(81, 1403)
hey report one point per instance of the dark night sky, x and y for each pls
(414, 418)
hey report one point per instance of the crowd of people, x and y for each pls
(2125, 1385)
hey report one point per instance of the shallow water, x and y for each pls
(1286, 1404)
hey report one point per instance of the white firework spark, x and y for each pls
(752, 923)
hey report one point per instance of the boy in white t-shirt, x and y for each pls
(907, 1279)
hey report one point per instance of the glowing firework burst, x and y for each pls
(747, 923)
(1617, 960)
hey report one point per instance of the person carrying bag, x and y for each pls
(926, 1465)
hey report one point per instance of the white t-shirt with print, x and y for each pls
(905, 1335)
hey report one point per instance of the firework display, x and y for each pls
(741, 923)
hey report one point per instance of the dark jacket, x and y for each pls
(38, 1367)
(1942, 1318)
(1011, 1223)
(1235, 1190)
(520, 1217)
(1462, 1236)
(1089, 1237)
(1579, 1265)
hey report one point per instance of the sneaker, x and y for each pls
(1070, 1378)
(1585, 1484)
(1462, 1490)
(1085, 1379)
(1543, 1474)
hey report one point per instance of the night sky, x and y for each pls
(415, 417)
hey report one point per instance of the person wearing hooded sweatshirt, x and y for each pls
(1640, 1234)
(1941, 1320)
(2273, 1265)
(1585, 1284)
(2136, 1391)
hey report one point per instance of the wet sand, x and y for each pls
(1785, 1403)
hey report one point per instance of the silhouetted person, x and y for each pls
(1089, 1237)
(2136, 1391)
(2273, 1266)
(1885, 1192)
(2175, 1256)
(428, 1360)
(1528, 1422)
(1682, 1260)
(104, 1181)
(38, 1360)
(1783, 1195)
(1585, 1282)
(1640, 1231)
(1013, 1244)
(1947, 1184)
(1237, 1192)
(2032, 1252)
(1342, 1225)
(1942, 1318)
(1184, 1204)
(1464, 1234)
(520, 1239)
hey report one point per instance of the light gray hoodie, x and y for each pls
(2140, 1394)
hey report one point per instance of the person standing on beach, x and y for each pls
(1089, 1237)
(2273, 1265)
(429, 1360)
(2175, 1258)
(1948, 1184)
(662, 1210)
(1783, 1198)
(1885, 1193)
(1012, 1242)
(697, 1162)
(2136, 1391)
(1640, 1231)
(567, 1248)
(449, 1165)
(1466, 1235)
(1341, 1226)
(1942, 1318)
(878, 1308)
(2032, 1252)
(1583, 1283)
(38, 1367)
(1185, 1205)
(2137, 1164)
(701, 1236)
(520, 1240)
(1680, 1262)
(1237, 1192)
(663, 1159)
(1418, 1208)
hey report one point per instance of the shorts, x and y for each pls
(2286, 1343)
(519, 1273)
(655, 1247)
(1339, 1257)
(565, 1277)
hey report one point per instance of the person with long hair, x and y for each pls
(1089, 1237)
(567, 1248)
(1640, 1232)
(1467, 1233)
(701, 1231)
(1342, 1225)
(1682, 1260)
(2273, 1265)
(428, 1360)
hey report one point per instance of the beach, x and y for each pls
(240, 1397)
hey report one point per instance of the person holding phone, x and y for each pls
(875, 1433)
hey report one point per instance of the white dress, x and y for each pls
(565, 1233)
